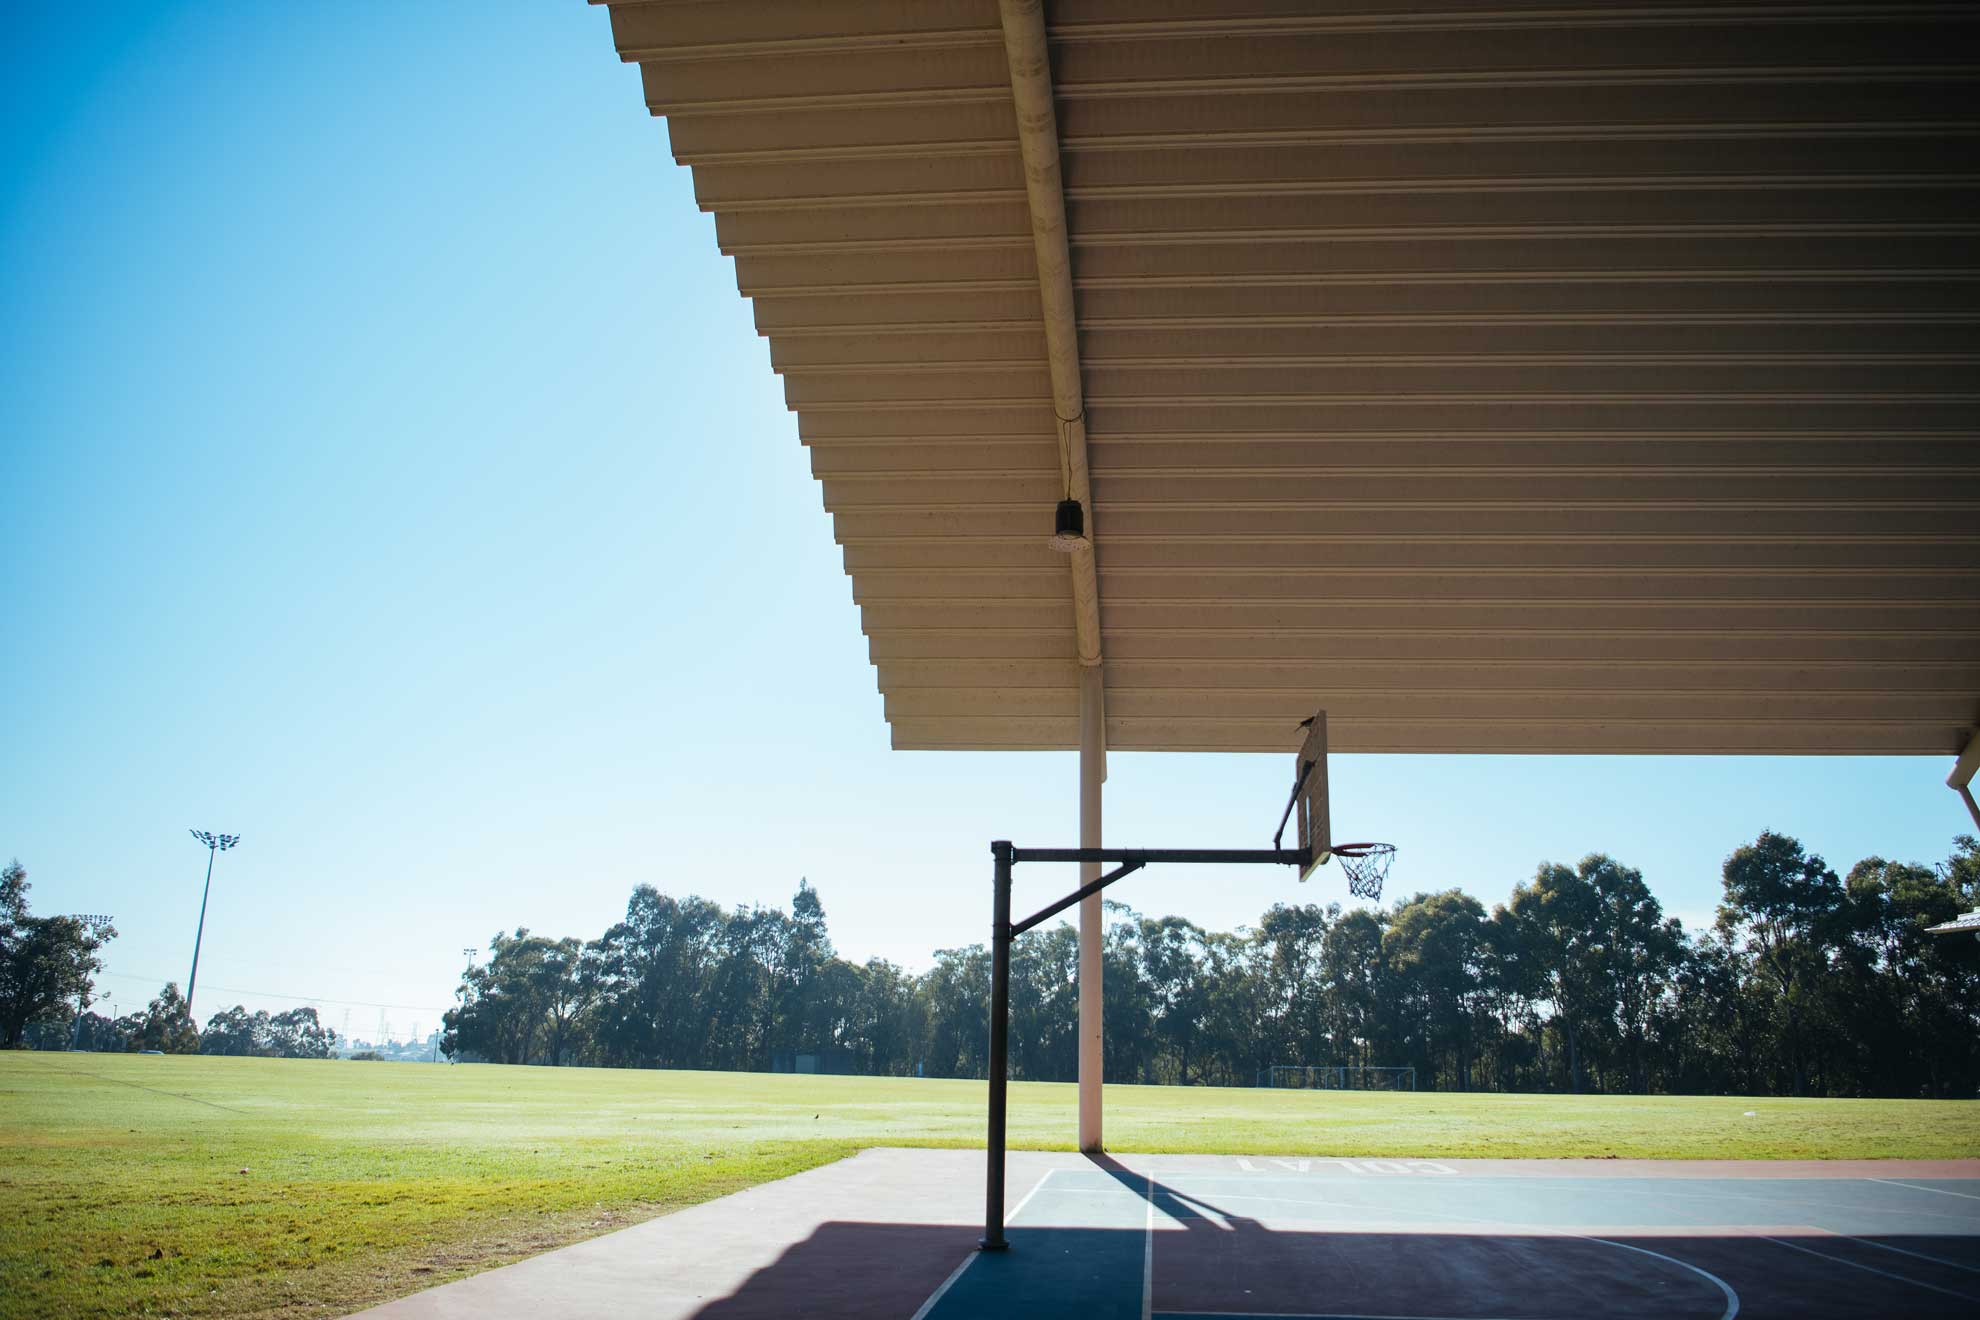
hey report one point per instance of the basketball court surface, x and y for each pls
(891, 1233)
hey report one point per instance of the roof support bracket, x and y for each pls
(1961, 778)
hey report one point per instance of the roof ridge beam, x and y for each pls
(1038, 138)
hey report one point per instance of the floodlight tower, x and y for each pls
(215, 843)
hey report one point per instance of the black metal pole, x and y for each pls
(1000, 1022)
(200, 934)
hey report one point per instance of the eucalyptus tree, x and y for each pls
(954, 992)
(1907, 1003)
(655, 969)
(524, 1003)
(235, 1031)
(1637, 955)
(47, 964)
(1172, 959)
(1294, 939)
(886, 1021)
(1553, 916)
(1044, 1037)
(164, 1025)
(1435, 945)
(1127, 999)
(1360, 1009)
(1513, 986)
(1234, 1046)
(1786, 908)
(743, 1001)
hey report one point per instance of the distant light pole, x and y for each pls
(462, 991)
(215, 843)
(94, 921)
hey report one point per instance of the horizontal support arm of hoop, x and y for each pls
(1159, 856)
(1133, 859)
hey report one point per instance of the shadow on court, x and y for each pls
(1094, 1249)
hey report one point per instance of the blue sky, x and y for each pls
(394, 477)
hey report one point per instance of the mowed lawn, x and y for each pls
(244, 1187)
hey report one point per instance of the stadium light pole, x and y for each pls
(215, 843)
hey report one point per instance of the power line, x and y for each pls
(276, 994)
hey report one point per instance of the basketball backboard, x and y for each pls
(1310, 795)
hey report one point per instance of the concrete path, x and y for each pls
(873, 1235)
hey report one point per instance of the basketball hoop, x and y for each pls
(1367, 866)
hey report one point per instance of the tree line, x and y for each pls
(165, 1025)
(1808, 983)
(48, 967)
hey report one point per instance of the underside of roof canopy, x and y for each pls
(1586, 377)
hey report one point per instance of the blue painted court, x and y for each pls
(1423, 1238)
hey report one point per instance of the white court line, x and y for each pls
(1025, 1200)
(1783, 1198)
(1732, 1298)
(1280, 1315)
(1364, 1211)
(1892, 1182)
(947, 1283)
(1710, 1194)
(1148, 1255)
(1867, 1269)
(957, 1272)
(1917, 1255)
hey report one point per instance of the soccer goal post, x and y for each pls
(1330, 1077)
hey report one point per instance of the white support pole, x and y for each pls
(1092, 773)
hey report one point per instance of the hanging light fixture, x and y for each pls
(1069, 528)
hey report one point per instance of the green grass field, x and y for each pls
(245, 1187)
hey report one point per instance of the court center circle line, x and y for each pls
(1726, 1289)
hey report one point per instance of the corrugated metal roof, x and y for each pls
(1508, 377)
